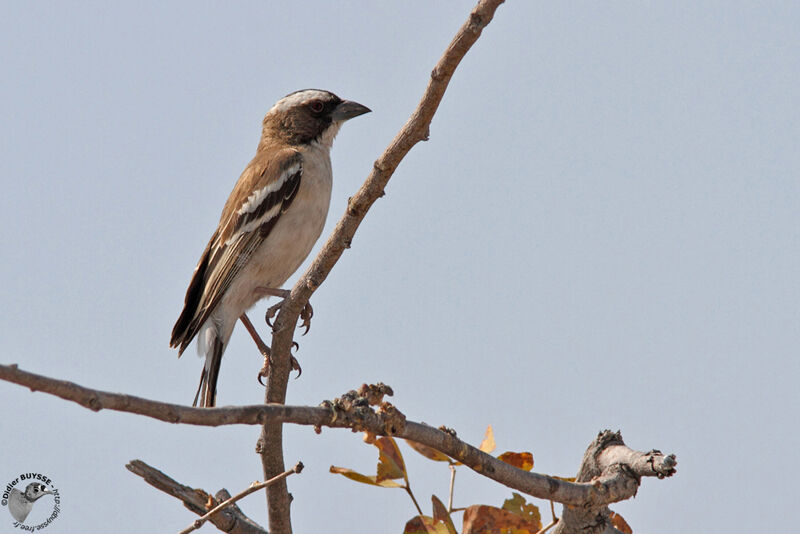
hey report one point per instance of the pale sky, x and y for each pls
(602, 232)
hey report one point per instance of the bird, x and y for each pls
(268, 226)
(20, 503)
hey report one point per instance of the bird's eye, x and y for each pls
(316, 106)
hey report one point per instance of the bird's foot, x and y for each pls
(264, 372)
(305, 314)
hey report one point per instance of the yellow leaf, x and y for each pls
(364, 479)
(422, 524)
(428, 452)
(488, 445)
(620, 524)
(440, 514)
(565, 479)
(390, 460)
(517, 505)
(520, 460)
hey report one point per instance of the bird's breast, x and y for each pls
(293, 236)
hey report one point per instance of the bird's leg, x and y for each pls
(264, 350)
(306, 314)
(262, 347)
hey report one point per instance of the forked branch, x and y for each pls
(231, 519)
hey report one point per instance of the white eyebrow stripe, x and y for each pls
(255, 223)
(298, 98)
(257, 197)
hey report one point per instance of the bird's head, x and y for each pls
(309, 115)
(34, 490)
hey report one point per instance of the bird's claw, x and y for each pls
(295, 366)
(306, 315)
(271, 312)
(264, 372)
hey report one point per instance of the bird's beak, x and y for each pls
(347, 109)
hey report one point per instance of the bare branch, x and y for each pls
(231, 520)
(614, 471)
(614, 474)
(197, 523)
(415, 130)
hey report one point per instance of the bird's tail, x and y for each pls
(207, 390)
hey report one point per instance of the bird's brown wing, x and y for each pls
(264, 191)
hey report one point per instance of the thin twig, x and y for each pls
(252, 489)
(452, 485)
(231, 520)
(550, 525)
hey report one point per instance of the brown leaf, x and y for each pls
(440, 514)
(390, 460)
(520, 460)
(422, 524)
(517, 505)
(482, 519)
(620, 524)
(428, 452)
(364, 479)
(565, 479)
(488, 444)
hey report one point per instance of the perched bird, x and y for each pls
(20, 503)
(269, 224)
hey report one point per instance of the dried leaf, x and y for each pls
(620, 524)
(565, 479)
(482, 519)
(364, 479)
(517, 505)
(390, 460)
(520, 460)
(428, 452)
(440, 514)
(422, 524)
(488, 444)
